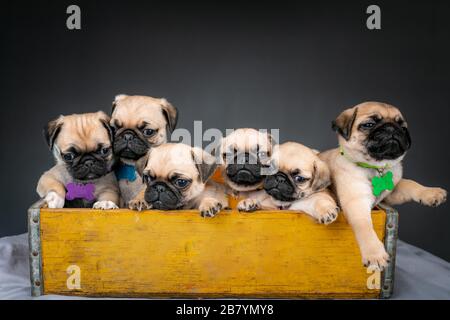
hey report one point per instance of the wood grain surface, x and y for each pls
(180, 254)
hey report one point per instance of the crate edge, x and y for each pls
(34, 243)
(390, 243)
(36, 275)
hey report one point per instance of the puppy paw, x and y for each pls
(433, 196)
(54, 200)
(375, 256)
(248, 205)
(209, 208)
(105, 205)
(138, 205)
(326, 213)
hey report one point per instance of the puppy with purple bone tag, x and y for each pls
(83, 176)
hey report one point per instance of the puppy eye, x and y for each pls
(147, 179)
(104, 151)
(69, 156)
(181, 183)
(228, 156)
(300, 179)
(400, 121)
(262, 154)
(148, 132)
(367, 125)
(116, 125)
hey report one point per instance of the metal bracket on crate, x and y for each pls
(390, 243)
(34, 242)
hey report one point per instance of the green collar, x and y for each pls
(364, 164)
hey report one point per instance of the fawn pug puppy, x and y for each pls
(300, 184)
(139, 123)
(176, 177)
(82, 176)
(367, 169)
(246, 159)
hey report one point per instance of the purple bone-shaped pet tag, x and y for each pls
(80, 191)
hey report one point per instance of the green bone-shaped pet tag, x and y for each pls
(382, 183)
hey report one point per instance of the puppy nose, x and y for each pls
(160, 188)
(89, 163)
(280, 179)
(128, 136)
(391, 127)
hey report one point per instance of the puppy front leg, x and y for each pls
(107, 200)
(408, 190)
(209, 207)
(257, 200)
(52, 190)
(212, 200)
(249, 205)
(321, 206)
(358, 215)
(139, 203)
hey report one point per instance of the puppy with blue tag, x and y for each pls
(139, 123)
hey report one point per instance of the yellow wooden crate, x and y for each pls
(266, 254)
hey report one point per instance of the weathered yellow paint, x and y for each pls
(180, 254)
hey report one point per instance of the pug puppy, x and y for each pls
(82, 176)
(246, 159)
(367, 169)
(139, 123)
(176, 177)
(300, 184)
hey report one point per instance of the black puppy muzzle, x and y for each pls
(88, 167)
(245, 171)
(280, 187)
(127, 144)
(163, 197)
(388, 141)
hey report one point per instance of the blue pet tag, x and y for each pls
(126, 172)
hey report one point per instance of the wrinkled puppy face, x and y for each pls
(139, 123)
(174, 174)
(83, 143)
(373, 131)
(301, 173)
(244, 153)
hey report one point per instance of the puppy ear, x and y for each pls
(321, 177)
(116, 99)
(51, 131)
(170, 113)
(271, 140)
(142, 163)
(105, 119)
(217, 152)
(205, 163)
(344, 123)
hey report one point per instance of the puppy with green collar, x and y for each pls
(367, 169)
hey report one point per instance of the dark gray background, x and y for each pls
(263, 64)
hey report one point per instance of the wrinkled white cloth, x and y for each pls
(418, 275)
